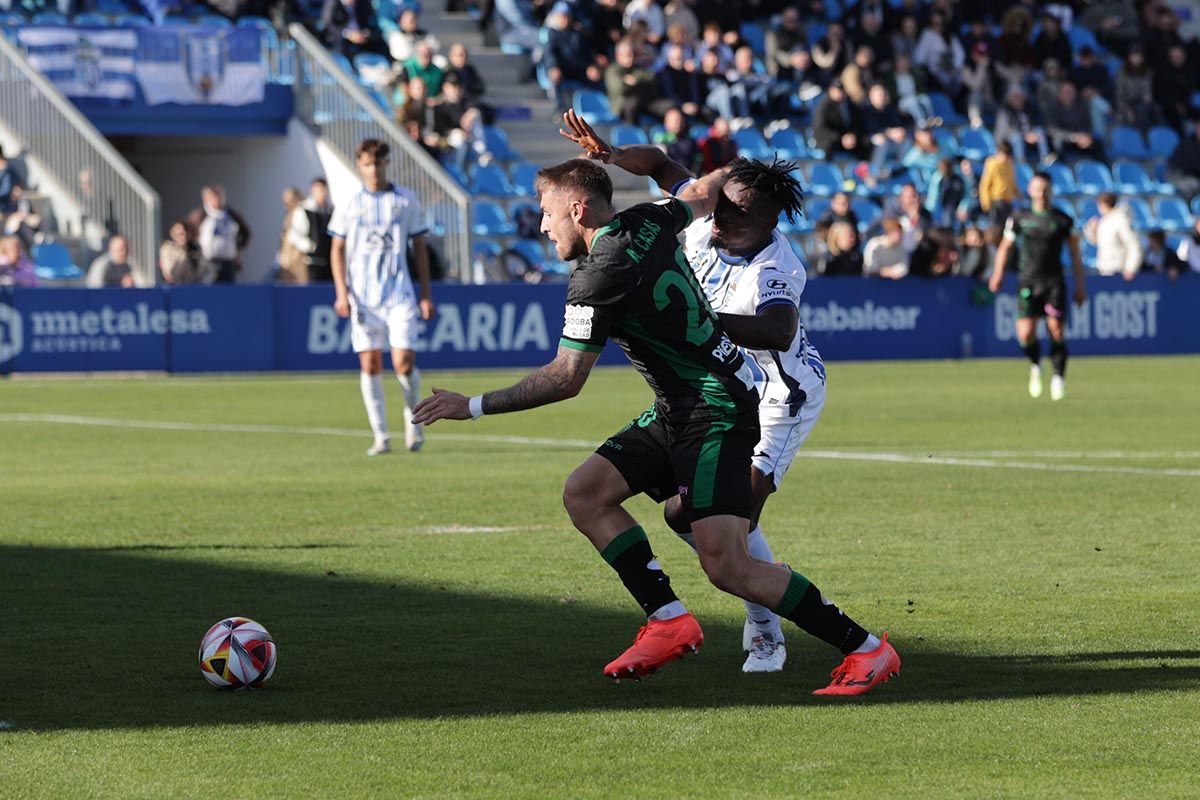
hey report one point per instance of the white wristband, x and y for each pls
(476, 406)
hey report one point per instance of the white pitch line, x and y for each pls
(839, 455)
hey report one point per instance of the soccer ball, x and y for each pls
(237, 653)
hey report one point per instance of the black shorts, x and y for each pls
(1044, 300)
(704, 461)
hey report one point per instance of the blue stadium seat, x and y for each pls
(593, 107)
(867, 211)
(1143, 217)
(946, 140)
(751, 144)
(1061, 178)
(490, 181)
(943, 108)
(1173, 214)
(496, 140)
(1162, 141)
(90, 19)
(459, 176)
(522, 178)
(623, 135)
(369, 61)
(380, 99)
(1064, 205)
(531, 250)
(49, 18)
(1086, 209)
(789, 143)
(1080, 37)
(262, 23)
(1024, 174)
(342, 62)
(131, 20)
(754, 35)
(53, 262)
(699, 131)
(1132, 178)
(1087, 251)
(976, 144)
(490, 220)
(112, 7)
(787, 226)
(824, 179)
(1126, 142)
(814, 208)
(1092, 177)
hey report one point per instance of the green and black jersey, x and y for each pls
(1039, 237)
(636, 287)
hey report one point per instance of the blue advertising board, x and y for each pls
(261, 328)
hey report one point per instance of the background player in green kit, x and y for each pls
(634, 285)
(1039, 234)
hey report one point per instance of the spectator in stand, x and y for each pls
(762, 92)
(1052, 78)
(711, 41)
(679, 84)
(835, 122)
(1014, 125)
(309, 231)
(678, 142)
(113, 268)
(941, 54)
(469, 78)
(935, 256)
(783, 38)
(9, 184)
(923, 157)
(514, 23)
(802, 76)
(1051, 43)
(718, 148)
(350, 27)
(978, 33)
(1115, 23)
(1161, 34)
(649, 12)
(946, 195)
(910, 92)
(16, 268)
(293, 266)
(979, 79)
(632, 90)
(1183, 167)
(885, 255)
(1069, 121)
(413, 105)
(1016, 58)
(904, 41)
(676, 40)
(1118, 248)
(888, 135)
(568, 57)
(998, 184)
(858, 75)
(832, 52)
(402, 43)
(179, 259)
(914, 218)
(862, 14)
(422, 66)
(1134, 92)
(871, 34)
(1174, 86)
(221, 232)
(816, 248)
(975, 255)
(22, 222)
(1160, 258)
(458, 124)
(726, 99)
(1189, 249)
(845, 257)
(1089, 73)
(678, 12)
(839, 211)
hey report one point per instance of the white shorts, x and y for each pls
(780, 436)
(373, 328)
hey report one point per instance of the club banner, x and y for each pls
(201, 65)
(93, 63)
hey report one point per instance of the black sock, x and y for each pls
(1058, 355)
(630, 555)
(1033, 350)
(802, 605)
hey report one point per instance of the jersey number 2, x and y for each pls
(700, 324)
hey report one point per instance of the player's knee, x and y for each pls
(723, 570)
(675, 516)
(577, 496)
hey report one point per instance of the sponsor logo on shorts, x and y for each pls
(683, 491)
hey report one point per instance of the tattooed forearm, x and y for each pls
(561, 379)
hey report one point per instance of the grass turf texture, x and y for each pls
(1046, 619)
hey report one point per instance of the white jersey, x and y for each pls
(377, 227)
(736, 285)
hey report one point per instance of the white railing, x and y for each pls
(333, 103)
(87, 168)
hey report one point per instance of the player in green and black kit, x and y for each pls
(1039, 235)
(634, 286)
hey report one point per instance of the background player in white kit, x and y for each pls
(371, 233)
(753, 280)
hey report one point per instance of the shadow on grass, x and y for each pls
(96, 639)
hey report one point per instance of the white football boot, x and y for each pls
(1035, 381)
(764, 652)
(1058, 387)
(414, 435)
(381, 447)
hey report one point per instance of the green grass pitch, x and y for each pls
(441, 627)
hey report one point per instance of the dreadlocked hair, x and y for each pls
(775, 181)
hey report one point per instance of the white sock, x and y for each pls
(764, 619)
(411, 383)
(670, 611)
(372, 395)
(872, 643)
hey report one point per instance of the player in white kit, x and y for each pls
(371, 234)
(754, 280)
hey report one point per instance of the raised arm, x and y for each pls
(561, 379)
(638, 159)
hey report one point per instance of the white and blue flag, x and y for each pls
(201, 65)
(92, 63)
